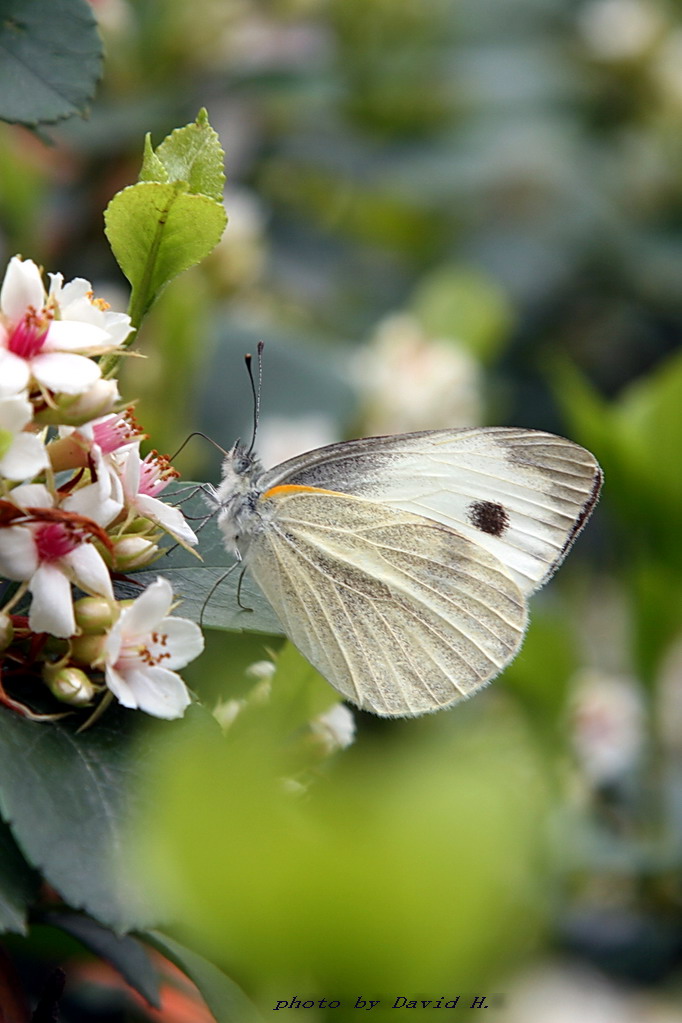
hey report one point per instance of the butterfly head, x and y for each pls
(239, 471)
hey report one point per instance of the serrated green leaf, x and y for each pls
(152, 168)
(193, 154)
(225, 999)
(50, 59)
(64, 798)
(156, 231)
(18, 884)
(125, 954)
(193, 580)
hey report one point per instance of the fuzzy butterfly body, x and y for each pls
(401, 566)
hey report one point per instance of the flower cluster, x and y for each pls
(77, 504)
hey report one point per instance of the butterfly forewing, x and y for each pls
(402, 614)
(522, 495)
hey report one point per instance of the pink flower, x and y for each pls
(103, 442)
(47, 553)
(47, 339)
(143, 481)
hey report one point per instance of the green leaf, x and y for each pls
(18, 884)
(125, 954)
(328, 891)
(50, 59)
(152, 168)
(193, 154)
(156, 231)
(198, 583)
(64, 798)
(225, 999)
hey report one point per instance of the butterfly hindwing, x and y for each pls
(402, 614)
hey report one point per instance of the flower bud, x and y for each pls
(94, 615)
(88, 649)
(133, 552)
(6, 631)
(70, 685)
(76, 409)
(143, 527)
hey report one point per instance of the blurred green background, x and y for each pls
(441, 213)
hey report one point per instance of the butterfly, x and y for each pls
(401, 566)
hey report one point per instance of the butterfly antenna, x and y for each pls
(255, 391)
(197, 433)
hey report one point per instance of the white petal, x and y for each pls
(113, 642)
(52, 606)
(117, 326)
(55, 289)
(15, 412)
(119, 687)
(89, 570)
(157, 691)
(75, 336)
(26, 457)
(75, 291)
(130, 472)
(184, 641)
(18, 553)
(21, 288)
(14, 373)
(171, 519)
(32, 495)
(149, 609)
(93, 502)
(65, 373)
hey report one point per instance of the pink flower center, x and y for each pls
(29, 335)
(54, 541)
(116, 431)
(156, 472)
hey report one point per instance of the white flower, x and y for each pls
(411, 381)
(608, 724)
(48, 554)
(47, 338)
(335, 728)
(144, 647)
(22, 455)
(142, 481)
(76, 303)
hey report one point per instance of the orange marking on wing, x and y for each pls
(291, 488)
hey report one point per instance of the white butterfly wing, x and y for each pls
(401, 614)
(523, 495)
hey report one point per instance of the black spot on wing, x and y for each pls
(488, 516)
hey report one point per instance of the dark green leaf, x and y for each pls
(18, 884)
(50, 59)
(225, 999)
(125, 954)
(64, 797)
